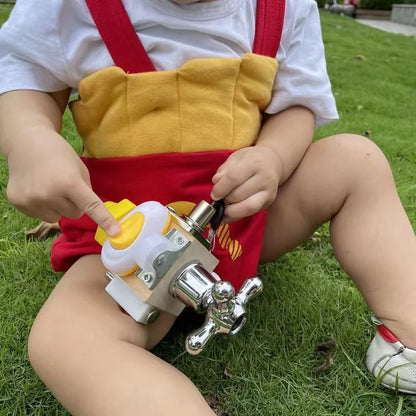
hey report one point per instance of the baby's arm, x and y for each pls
(47, 179)
(250, 177)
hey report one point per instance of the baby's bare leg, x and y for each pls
(347, 180)
(93, 357)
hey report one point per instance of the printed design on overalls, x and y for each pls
(226, 242)
(223, 234)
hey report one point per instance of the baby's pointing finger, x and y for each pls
(92, 205)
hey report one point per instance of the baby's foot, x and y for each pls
(393, 364)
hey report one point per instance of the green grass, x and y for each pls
(271, 367)
(4, 12)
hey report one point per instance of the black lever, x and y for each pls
(219, 207)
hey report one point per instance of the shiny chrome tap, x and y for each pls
(225, 312)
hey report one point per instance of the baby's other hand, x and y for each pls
(248, 181)
(47, 179)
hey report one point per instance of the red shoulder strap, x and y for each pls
(270, 16)
(128, 53)
(119, 36)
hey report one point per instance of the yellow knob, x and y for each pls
(118, 211)
(130, 230)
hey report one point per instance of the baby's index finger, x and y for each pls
(91, 204)
(110, 226)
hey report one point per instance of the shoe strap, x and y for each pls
(384, 332)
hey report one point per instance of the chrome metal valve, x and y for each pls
(162, 262)
(225, 312)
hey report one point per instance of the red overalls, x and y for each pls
(161, 167)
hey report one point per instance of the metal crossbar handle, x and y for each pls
(225, 312)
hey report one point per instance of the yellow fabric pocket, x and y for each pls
(206, 105)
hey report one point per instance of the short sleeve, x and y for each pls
(30, 51)
(302, 77)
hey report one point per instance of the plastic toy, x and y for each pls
(161, 261)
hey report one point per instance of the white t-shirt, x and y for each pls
(51, 45)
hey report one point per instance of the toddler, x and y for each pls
(183, 100)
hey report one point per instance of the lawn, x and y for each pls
(272, 367)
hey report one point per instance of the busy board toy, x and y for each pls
(162, 261)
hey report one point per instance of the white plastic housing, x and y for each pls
(146, 247)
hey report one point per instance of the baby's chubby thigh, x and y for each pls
(81, 340)
(331, 170)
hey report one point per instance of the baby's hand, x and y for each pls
(47, 179)
(248, 181)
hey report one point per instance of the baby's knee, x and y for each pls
(41, 342)
(349, 147)
(357, 156)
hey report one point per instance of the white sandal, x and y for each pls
(392, 363)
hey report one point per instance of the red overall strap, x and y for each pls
(270, 15)
(128, 53)
(118, 34)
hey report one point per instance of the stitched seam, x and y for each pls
(233, 105)
(179, 112)
(128, 109)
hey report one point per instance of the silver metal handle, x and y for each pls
(251, 287)
(225, 310)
